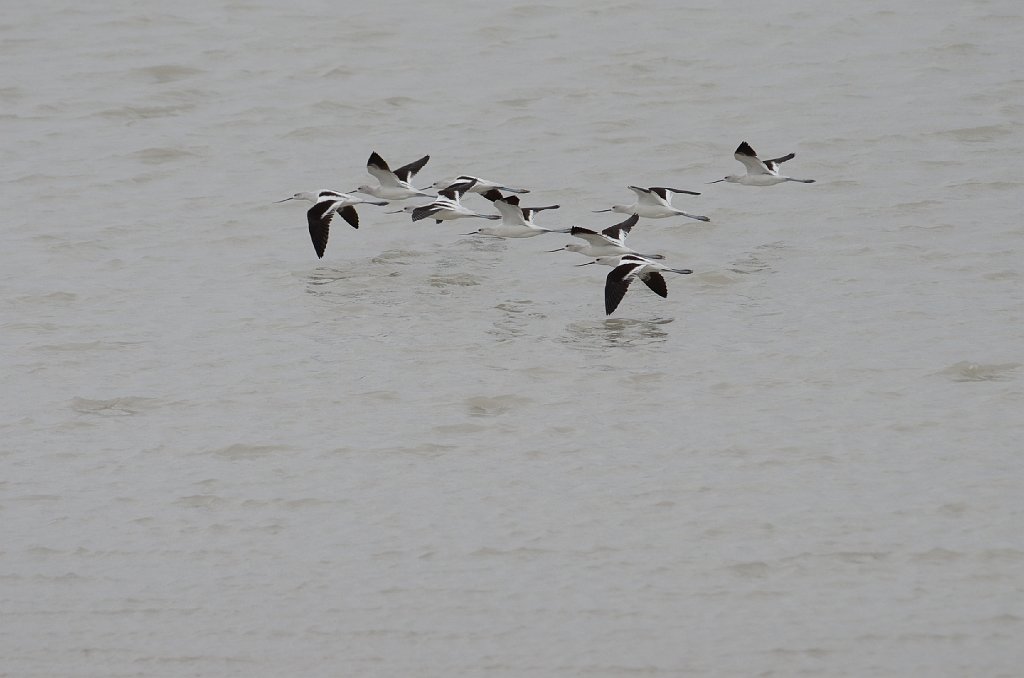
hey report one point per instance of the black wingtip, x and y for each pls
(614, 290)
(318, 234)
(628, 223)
(349, 214)
(745, 149)
(407, 172)
(656, 283)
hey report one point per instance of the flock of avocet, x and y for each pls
(607, 247)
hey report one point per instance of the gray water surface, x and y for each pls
(431, 454)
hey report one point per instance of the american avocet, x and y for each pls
(609, 242)
(480, 186)
(449, 206)
(344, 204)
(655, 203)
(319, 217)
(628, 268)
(516, 221)
(759, 172)
(347, 198)
(393, 185)
(344, 200)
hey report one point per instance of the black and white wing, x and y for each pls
(616, 284)
(746, 155)
(378, 168)
(618, 231)
(655, 281)
(663, 191)
(407, 172)
(319, 217)
(457, 190)
(592, 237)
(528, 212)
(424, 211)
(773, 164)
(348, 213)
(510, 211)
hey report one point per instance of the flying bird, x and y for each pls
(759, 172)
(630, 267)
(655, 203)
(393, 185)
(448, 205)
(516, 221)
(319, 217)
(609, 242)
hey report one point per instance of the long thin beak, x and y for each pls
(558, 250)
(286, 199)
(715, 181)
(596, 211)
(394, 211)
(586, 264)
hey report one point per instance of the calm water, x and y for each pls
(433, 455)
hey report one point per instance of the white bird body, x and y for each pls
(759, 172)
(630, 267)
(394, 185)
(346, 198)
(448, 206)
(319, 217)
(480, 185)
(516, 221)
(609, 242)
(655, 203)
(325, 205)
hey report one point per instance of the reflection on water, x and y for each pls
(327, 276)
(483, 243)
(377, 285)
(516, 319)
(757, 260)
(319, 282)
(971, 371)
(395, 256)
(616, 332)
